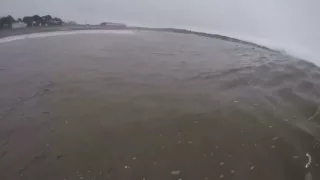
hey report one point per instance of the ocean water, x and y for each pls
(155, 105)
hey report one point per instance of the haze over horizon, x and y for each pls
(289, 25)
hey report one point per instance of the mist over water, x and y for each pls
(287, 25)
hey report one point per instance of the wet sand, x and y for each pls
(155, 105)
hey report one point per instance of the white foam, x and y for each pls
(62, 33)
(309, 160)
(308, 53)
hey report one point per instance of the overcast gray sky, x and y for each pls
(289, 24)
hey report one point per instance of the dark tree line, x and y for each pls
(35, 20)
(6, 21)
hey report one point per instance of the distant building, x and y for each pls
(71, 23)
(17, 25)
(113, 25)
(55, 22)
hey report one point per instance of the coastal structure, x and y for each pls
(17, 25)
(113, 25)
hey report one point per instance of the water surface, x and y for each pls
(155, 105)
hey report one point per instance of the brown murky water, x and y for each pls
(154, 106)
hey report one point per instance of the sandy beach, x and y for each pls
(148, 105)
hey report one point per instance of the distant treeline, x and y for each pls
(36, 20)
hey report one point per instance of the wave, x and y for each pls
(285, 48)
(291, 49)
(61, 33)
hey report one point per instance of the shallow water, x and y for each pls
(152, 105)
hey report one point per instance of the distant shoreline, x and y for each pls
(30, 30)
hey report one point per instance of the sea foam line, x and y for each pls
(61, 33)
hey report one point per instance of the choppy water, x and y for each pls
(152, 105)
